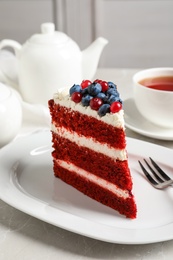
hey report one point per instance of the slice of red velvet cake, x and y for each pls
(89, 144)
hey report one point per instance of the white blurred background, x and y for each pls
(140, 32)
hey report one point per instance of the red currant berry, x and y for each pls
(76, 97)
(95, 103)
(85, 83)
(98, 81)
(115, 107)
(104, 85)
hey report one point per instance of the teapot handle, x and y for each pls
(5, 74)
(10, 43)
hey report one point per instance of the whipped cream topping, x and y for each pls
(115, 119)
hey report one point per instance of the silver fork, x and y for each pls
(158, 179)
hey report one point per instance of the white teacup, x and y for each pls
(10, 114)
(154, 104)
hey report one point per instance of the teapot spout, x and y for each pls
(91, 56)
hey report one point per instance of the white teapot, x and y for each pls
(52, 60)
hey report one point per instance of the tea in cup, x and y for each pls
(153, 95)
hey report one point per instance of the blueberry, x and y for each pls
(94, 89)
(103, 96)
(112, 91)
(84, 91)
(86, 100)
(75, 88)
(120, 100)
(112, 85)
(113, 98)
(105, 108)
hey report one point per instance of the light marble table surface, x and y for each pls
(25, 237)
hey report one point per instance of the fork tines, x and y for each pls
(161, 176)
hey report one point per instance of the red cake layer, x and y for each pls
(126, 207)
(115, 171)
(87, 126)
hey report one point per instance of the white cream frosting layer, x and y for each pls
(115, 119)
(90, 143)
(94, 179)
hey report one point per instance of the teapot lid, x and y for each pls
(48, 35)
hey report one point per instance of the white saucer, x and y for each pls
(136, 122)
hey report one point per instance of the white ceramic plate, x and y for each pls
(28, 184)
(136, 122)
